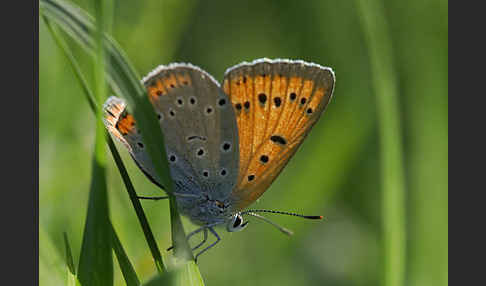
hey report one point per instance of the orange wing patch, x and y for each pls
(161, 86)
(156, 89)
(126, 124)
(315, 103)
(276, 104)
(242, 88)
(119, 122)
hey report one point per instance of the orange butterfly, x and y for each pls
(225, 146)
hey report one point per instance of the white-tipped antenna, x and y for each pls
(281, 228)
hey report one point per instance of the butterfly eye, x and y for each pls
(236, 223)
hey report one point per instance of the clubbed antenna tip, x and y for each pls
(313, 217)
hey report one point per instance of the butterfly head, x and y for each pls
(222, 210)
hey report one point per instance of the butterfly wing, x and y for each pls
(121, 124)
(198, 124)
(276, 103)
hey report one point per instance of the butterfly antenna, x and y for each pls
(284, 213)
(281, 228)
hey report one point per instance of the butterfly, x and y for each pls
(226, 144)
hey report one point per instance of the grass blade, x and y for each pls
(124, 81)
(149, 237)
(121, 75)
(182, 250)
(185, 274)
(52, 264)
(142, 218)
(96, 245)
(95, 262)
(161, 280)
(72, 279)
(189, 275)
(69, 256)
(126, 266)
(424, 63)
(392, 174)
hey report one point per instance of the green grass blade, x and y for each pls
(124, 80)
(96, 245)
(189, 275)
(161, 280)
(149, 236)
(95, 262)
(182, 250)
(69, 256)
(52, 264)
(121, 167)
(122, 77)
(126, 266)
(375, 27)
(424, 63)
(72, 279)
(182, 275)
(72, 61)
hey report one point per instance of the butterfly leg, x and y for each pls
(193, 233)
(152, 198)
(210, 246)
(166, 197)
(203, 241)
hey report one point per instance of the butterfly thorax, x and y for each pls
(205, 210)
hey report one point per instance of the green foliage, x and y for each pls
(390, 131)
(71, 279)
(69, 256)
(388, 119)
(96, 247)
(95, 262)
(126, 266)
(116, 156)
(90, 251)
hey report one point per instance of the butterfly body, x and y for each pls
(225, 144)
(205, 210)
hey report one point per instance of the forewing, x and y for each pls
(276, 103)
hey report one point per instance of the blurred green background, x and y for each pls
(335, 173)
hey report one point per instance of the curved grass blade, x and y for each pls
(126, 267)
(161, 280)
(72, 280)
(123, 80)
(425, 65)
(182, 275)
(373, 20)
(96, 245)
(69, 256)
(121, 76)
(182, 250)
(149, 237)
(189, 275)
(52, 264)
(96, 262)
